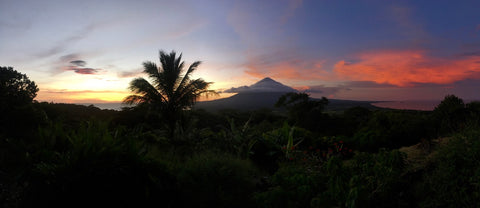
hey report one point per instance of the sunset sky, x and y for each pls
(88, 51)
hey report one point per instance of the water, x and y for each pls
(410, 105)
(106, 106)
(425, 105)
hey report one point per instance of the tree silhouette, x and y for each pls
(18, 117)
(171, 89)
(450, 113)
(15, 88)
(301, 109)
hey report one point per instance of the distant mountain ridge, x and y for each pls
(264, 94)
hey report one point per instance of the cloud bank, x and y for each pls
(407, 68)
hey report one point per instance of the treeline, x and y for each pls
(64, 155)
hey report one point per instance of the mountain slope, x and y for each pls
(264, 94)
(264, 85)
(242, 101)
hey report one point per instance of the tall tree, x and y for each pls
(18, 117)
(170, 90)
(301, 109)
(15, 88)
(450, 113)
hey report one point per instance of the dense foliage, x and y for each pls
(82, 156)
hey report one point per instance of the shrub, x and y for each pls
(377, 179)
(454, 180)
(215, 180)
(97, 168)
(291, 186)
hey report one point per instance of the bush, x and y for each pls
(214, 180)
(291, 186)
(377, 180)
(96, 168)
(368, 180)
(454, 180)
(392, 129)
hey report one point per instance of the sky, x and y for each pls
(89, 51)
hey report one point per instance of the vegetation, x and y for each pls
(170, 92)
(65, 155)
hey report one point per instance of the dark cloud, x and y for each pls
(470, 46)
(237, 89)
(367, 84)
(69, 57)
(75, 64)
(81, 70)
(322, 89)
(473, 83)
(85, 70)
(473, 53)
(78, 63)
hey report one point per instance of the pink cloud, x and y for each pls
(406, 68)
(285, 66)
(82, 70)
(295, 70)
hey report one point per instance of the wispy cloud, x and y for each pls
(281, 65)
(128, 74)
(293, 5)
(63, 44)
(410, 26)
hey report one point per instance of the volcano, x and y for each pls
(264, 85)
(264, 94)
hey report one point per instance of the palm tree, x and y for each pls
(170, 91)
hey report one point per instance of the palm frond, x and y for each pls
(171, 88)
(133, 99)
(193, 90)
(151, 69)
(186, 78)
(143, 88)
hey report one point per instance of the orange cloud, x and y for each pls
(292, 69)
(407, 68)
